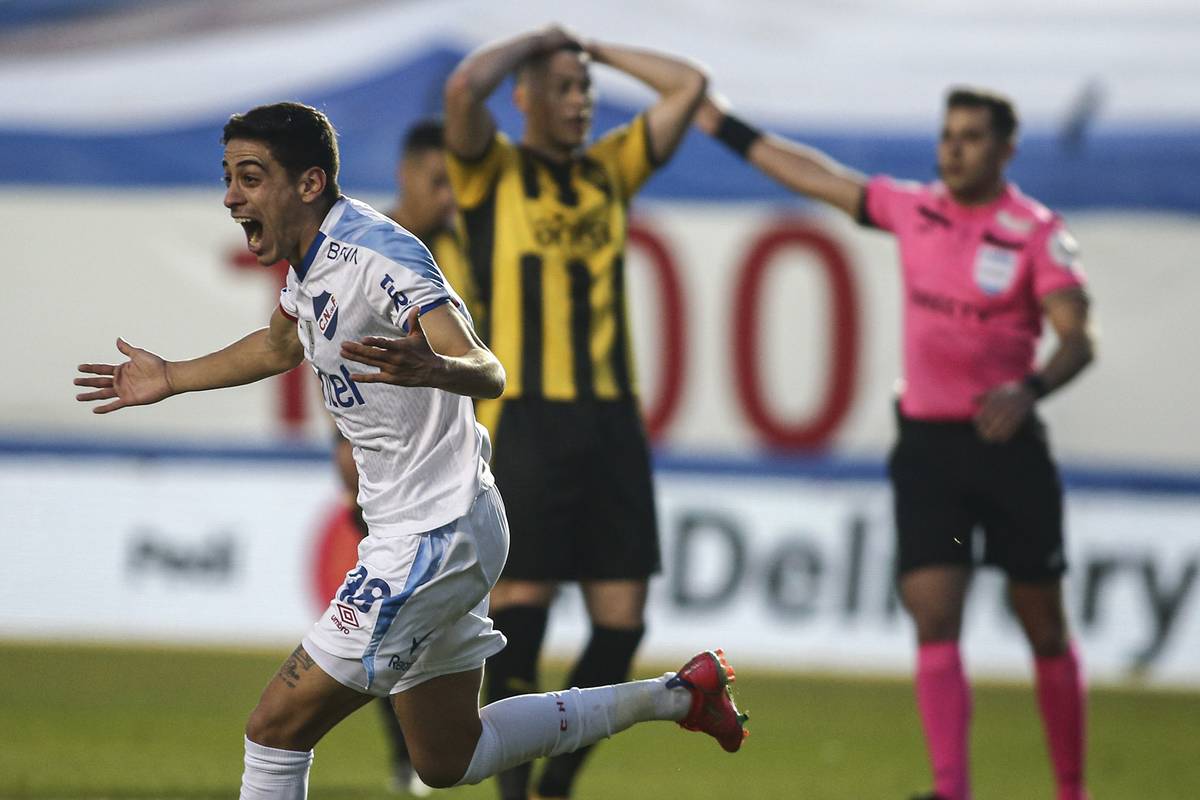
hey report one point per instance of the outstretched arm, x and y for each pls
(147, 378)
(679, 83)
(441, 351)
(800, 168)
(469, 125)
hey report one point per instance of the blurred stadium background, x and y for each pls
(159, 563)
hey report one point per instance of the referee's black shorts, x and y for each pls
(947, 483)
(575, 477)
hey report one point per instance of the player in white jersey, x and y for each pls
(365, 276)
(410, 621)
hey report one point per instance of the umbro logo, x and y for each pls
(348, 615)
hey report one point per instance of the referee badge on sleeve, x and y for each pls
(1064, 250)
(995, 268)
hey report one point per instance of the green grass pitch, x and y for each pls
(101, 722)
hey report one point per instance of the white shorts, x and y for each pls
(415, 607)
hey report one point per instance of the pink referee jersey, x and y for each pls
(974, 277)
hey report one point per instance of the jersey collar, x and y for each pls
(970, 212)
(301, 269)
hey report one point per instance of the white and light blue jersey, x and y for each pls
(422, 457)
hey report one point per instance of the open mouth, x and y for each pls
(254, 231)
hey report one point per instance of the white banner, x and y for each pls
(789, 572)
(752, 329)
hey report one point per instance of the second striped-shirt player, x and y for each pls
(546, 223)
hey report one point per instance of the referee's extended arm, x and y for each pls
(800, 168)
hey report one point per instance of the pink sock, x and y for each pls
(944, 700)
(1060, 693)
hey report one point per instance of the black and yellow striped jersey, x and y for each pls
(546, 243)
(449, 251)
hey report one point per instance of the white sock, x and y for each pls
(275, 774)
(529, 726)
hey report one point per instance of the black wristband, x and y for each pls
(1036, 384)
(737, 135)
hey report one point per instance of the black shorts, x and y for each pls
(575, 477)
(947, 483)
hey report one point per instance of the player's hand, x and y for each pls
(139, 381)
(409, 361)
(1002, 410)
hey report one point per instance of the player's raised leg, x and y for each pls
(452, 744)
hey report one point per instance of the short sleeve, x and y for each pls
(287, 298)
(408, 281)
(1056, 261)
(473, 178)
(884, 201)
(626, 152)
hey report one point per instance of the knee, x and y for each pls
(617, 605)
(625, 617)
(508, 593)
(1049, 643)
(436, 777)
(443, 771)
(1046, 631)
(270, 728)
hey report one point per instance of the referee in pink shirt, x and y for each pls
(983, 265)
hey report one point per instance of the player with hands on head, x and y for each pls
(411, 620)
(983, 265)
(546, 219)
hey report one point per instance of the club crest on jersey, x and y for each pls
(995, 268)
(325, 309)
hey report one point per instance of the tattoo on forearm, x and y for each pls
(299, 661)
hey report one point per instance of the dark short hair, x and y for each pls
(1003, 113)
(298, 136)
(424, 134)
(538, 59)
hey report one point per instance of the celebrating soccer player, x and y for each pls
(425, 208)
(398, 360)
(982, 266)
